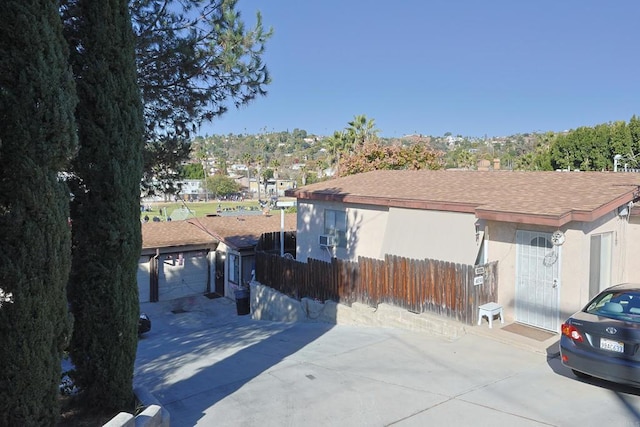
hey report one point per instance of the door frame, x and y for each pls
(537, 281)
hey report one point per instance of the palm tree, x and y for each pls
(276, 164)
(246, 159)
(321, 165)
(361, 131)
(336, 144)
(259, 162)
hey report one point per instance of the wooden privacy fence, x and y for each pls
(271, 242)
(420, 286)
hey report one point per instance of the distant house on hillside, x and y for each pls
(559, 237)
(190, 190)
(277, 187)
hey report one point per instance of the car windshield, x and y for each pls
(624, 305)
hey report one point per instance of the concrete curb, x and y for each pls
(154, 414)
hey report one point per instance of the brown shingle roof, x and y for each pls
(547, 198)
(239, 232)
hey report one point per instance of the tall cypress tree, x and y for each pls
(106, 234)
(37, 139)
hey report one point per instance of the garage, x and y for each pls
(182, 274)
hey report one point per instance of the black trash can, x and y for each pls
(242, 302)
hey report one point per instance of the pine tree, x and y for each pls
(37, 139)
(196, 58)
(103, 291)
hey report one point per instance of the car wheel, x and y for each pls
(580, 374)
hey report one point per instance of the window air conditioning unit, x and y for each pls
(327, 241)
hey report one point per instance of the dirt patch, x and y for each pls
(73, 414)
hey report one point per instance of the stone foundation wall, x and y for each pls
(269, 304)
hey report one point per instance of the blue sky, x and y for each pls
(469, 67)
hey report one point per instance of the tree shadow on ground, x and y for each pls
(191, 370)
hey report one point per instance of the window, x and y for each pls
(623, 305)
(541, 242)
(335, 224)
(600, 263)
(234, 268)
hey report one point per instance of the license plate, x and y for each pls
(611, 345)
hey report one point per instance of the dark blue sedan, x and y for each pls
(603, 339)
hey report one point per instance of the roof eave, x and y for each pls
(481, 213)
(173, 248)
(433, 205)
(556, 220)
(520, 218)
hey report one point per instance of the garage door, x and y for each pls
(181, 275)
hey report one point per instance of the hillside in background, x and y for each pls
(292, 154)
(307, 158)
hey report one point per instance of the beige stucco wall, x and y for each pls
(574, 293)
(448, 236)
(632, 251)
(365, 231)
(500, 240)
(374, 232)
(574, 258)
(573, 286)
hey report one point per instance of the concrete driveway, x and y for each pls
(210, 367)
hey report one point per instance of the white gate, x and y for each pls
(537, 280)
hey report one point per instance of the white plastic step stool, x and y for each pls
(490, 309)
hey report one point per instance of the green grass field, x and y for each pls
(179, 210)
